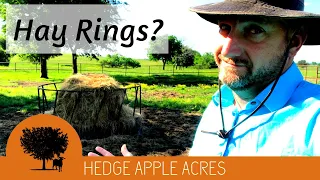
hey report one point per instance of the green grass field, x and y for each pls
(189, 92)
(311, 73)
(18, 91)
(187, 89)
(62, 64)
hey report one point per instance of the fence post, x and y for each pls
(58, 68)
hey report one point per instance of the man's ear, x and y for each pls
(297, 41)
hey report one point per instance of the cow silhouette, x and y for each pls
(58, 163)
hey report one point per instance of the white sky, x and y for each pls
(193, 30)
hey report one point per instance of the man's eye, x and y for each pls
(255, 30)
(224, 29)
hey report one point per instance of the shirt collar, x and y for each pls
(281, 94)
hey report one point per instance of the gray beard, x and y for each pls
(262, 77)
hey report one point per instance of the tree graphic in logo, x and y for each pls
(43, 143)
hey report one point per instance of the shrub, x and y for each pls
(119, 61)
(129, 62)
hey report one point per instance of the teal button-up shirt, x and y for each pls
(288, 124)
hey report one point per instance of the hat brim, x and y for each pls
(214, 11)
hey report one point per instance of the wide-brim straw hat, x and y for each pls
(285, 9)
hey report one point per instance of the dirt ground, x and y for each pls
(164, 133)
(8, 121)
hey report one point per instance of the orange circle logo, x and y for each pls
(44, 144)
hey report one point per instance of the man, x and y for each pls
(264, 107)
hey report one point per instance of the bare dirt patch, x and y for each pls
(8, 121)
(29, 83)
(164, 94)
(164, 133)
(13, 84)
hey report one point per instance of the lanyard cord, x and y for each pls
(225, 134)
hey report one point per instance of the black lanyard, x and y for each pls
(225, 134)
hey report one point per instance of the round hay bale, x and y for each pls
(89, 82)
(93, 105)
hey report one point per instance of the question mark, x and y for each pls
(157, 29)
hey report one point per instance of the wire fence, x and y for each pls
(97, 68)
(310, 72)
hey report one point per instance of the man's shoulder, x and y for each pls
(307, 89)
(306, 92)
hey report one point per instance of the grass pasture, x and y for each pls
(172, 101)
(62, 64)
(311, 73)
(19, 82)
(172, 107)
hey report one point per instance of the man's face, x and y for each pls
(252, 52)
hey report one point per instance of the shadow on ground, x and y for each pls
(16, 103)
(187, 80)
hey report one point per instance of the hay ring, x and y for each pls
(94, 104)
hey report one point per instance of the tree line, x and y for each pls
(304, 62)
(75, 47)
(178, 54)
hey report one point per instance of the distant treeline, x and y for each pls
(304, 62)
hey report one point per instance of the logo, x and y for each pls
(43, 145)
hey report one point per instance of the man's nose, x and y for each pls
(231, 47)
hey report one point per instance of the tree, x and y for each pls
(4, 57)
(314, 63)
(42, 59)
(3, 16)
(208, 59)
(174, 49)
(302, 62)
(77, 49)
(197, 56)
(42, 143)
(205, 61)
(33, 57)
(186, 58)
